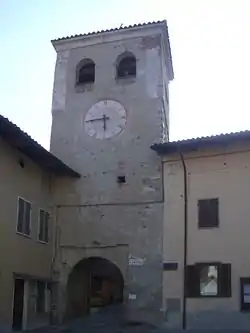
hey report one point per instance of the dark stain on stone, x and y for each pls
(150, 42)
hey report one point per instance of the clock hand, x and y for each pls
(96, 119)
(105, 118)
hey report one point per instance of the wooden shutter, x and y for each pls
(208, 213)
(224, 278)
(192, 281)
(20, 217)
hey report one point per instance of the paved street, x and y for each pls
(110, 320)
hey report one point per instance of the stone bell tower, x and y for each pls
(110, 104)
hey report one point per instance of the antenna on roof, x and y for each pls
(121, 25)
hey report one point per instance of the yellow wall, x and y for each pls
(223, 174)
(20, 254)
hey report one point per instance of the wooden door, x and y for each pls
(17, 323)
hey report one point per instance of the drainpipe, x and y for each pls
(184, 295)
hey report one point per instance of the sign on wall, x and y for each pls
(135, 261)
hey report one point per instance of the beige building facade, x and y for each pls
(27, 173)
(206, 230)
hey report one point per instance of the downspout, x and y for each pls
(184, 295)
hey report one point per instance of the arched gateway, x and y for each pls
(93, 282)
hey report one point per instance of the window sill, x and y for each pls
(126, 80)
(208, 296)
(245, 310)
(209, 227)
(42, 242)
(84, 87)
(24, 235)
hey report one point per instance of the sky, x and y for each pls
(210, 42)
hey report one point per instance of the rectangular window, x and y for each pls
(208, 213)
(245, 294)
(43, 234)
(23, 217)
(208, 280)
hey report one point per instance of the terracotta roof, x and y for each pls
(109, 30)
(201, 142)
(21, 141)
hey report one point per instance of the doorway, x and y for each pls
(93, 283)
(18, 301)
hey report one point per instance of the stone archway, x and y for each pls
(93, 282)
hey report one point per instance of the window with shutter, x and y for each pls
(43, 234)
(208, 213)
(20, 215)
(46, 227)
(208, 280)
(27, 218)
(23, 217)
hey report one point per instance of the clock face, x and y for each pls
(105, 119)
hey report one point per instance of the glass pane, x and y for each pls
(20, 215)
(246, 291)
(209, 280)
(41, 225)
(46, 227)
(27, 218)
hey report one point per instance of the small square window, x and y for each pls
(208, 213)
(43, 234)
(23, 217)
(121, 179)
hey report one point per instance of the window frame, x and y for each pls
(194, 291)
(81, 64)
(202, 225)
(30, 218)
(244, 307)
(39, 225)
(121, 57)
(200, 266)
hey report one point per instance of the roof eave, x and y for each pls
(187, 146)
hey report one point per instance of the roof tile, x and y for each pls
(201, 142)
(109, 30)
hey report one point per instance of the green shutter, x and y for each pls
(192, 281)
(225, 289)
